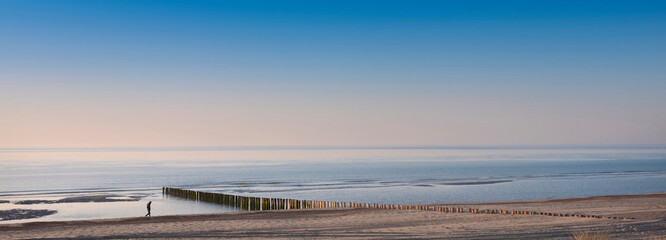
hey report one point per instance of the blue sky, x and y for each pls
(145, 73)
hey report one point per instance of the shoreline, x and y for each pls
(648, 211)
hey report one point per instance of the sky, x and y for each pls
(142, 73)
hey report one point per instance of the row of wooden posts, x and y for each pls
(260, 204)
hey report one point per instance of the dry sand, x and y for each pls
(648, 210)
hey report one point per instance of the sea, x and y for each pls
(364, 174)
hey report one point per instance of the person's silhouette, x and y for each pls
(148, 207)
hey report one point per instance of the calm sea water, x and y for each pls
(402, 175)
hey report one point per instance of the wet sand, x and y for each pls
(17, 213)
(92, 198)
(20, 213)
(648, 211)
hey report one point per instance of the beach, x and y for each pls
(85, 196)
(647, 213)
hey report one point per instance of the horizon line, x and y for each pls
(327, 147)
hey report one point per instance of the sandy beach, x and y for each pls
(648, 213)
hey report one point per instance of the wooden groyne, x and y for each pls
(252, 203)
(263, 204)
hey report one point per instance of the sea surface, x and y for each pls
(372, 174)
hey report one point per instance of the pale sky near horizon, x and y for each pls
(214, 73)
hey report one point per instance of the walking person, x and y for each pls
(148, 207)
